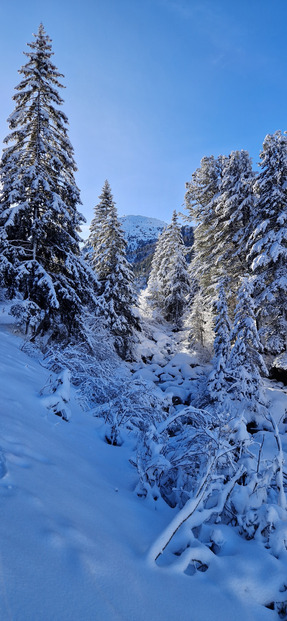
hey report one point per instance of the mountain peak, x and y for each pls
(140, 231)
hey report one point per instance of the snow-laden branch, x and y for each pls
(194, 511)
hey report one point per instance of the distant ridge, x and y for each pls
(140, 231)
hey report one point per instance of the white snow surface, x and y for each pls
(75, 538)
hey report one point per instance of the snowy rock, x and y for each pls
(158, 359)
(179, 394)
(188, 372)
(165, 377)
(181, 359)
(146, 375)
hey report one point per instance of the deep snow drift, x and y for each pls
(75, 537)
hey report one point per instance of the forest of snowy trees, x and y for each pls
(202, 455)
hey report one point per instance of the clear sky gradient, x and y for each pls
(154, 85)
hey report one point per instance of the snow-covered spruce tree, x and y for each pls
(117, 295)
(268, 244)
(168, 284)
(196, 319)
(153, 293)
(97, 238)
(201, 197)
(235, 212)
(39, 221)
(174, 275)
(202, 194)
(246, 364)
(217, 381)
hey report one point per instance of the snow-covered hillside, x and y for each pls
(74, 536)
(140, 230)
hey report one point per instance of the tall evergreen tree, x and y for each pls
(220, 198)
(197, 318)
(174, 275)
(154, 293)
(117, 294)
(97, 238)
(169, 285)
(202, 194)
(246, 364)
(39, 221)
(268, 244)
(235, 212)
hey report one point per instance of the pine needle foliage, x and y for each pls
(169, 283)
(39, 220)
(117, 295)
(268, 244)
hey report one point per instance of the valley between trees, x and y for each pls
(174, 382)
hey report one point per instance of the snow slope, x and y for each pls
(74, 538)
(140, 230)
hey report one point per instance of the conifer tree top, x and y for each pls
(40, 66)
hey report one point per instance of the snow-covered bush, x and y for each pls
(172, 455)
(28, 316)
(245, 364)
(228, 480)
(92, 367)
(105, 387)
(131, 405)
(56, 394)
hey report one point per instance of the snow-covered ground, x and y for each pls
(74, 536)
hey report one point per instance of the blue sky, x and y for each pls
(154, 85)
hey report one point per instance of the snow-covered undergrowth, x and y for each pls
(78, 542)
